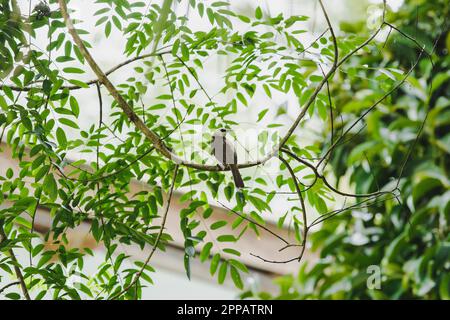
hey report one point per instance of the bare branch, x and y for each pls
(302, 203)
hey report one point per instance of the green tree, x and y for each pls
(405, 238)
(144, 132)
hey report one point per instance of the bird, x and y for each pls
(225, 154)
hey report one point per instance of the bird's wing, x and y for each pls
(223, 151)
(217, 149)
(231, 154)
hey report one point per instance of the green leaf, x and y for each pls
(41, 173)
(214, 264)
(315, 78)
(236, 277)
(262, 114)
(26, 122)
(258, 203)
(187, 265)
(108, 29)
(218, 225)
(117, 23)
(220, 4)
(184, 52)
(223, 272)
(153, 205)
(74, 106)
(206, 250)
(232, 251)
(210, 15)
(73, 70)
(228, 190)
(101, 20)
(24, 222)
(207, 213)
(242, 99)
(244, 18)
(69, 123)
(175, 47)
(61, 137)
(3, 103)
(258, 13)
(226, 238)
(79, 83)
(239, 265)
(444, 287)
(50, 186)
(13, 296)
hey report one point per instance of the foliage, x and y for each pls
(146, 137)
(407, 237)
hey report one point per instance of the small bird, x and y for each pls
(225, 153)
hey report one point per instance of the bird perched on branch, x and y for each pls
(225, 153)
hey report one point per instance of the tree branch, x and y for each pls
(321, 177)
(127, 109)
(302, 203)
(158, 142)
(387, 94)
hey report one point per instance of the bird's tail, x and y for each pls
(237, 177)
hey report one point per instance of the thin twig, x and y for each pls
(373, 106)
(254, 222)
(302, 203)
(9, 285)
(325, 181)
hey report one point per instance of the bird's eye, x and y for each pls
(223, 130)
